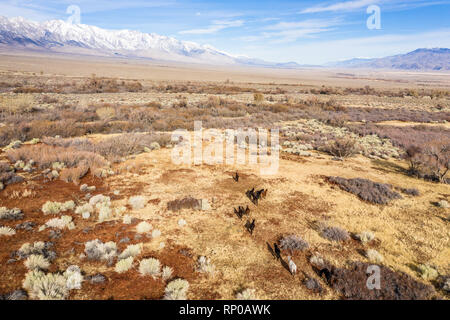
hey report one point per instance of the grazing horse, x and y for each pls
(292, 266)
(238, 212)
(250, 226)
(264, 193)
(250, 194)
(325, 273)
(277, 251)
(255, 196)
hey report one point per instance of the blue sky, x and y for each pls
(307, 32)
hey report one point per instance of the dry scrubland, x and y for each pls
(93, 208)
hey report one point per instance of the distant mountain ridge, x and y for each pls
(421, 59)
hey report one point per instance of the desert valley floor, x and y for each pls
(87, 162)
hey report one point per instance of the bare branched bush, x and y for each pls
(341, 147)
(430, 161)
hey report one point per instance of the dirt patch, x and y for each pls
(177, 176)
(298, 201)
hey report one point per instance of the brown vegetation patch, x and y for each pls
(351, 283)
(373, 192)
(185, 203)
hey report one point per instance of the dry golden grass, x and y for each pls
(410, 230)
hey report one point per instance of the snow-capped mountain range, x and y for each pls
(61, 36)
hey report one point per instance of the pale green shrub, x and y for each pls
(124, 265)
(317, 261)
(74, 278)
(37, 261)
(56, 207)
(246, 294)
(374, 256)
(84, 208)
(137, 202)
(365, 236)
(143, 227)
(97, 250)
(51, 207)
(7, 231)
(182, 222)
(156, 233)
(150, 267)
(99, 200)
(45, 286)
(166, 272)
(10, 214)
(176, 290)
(61, 223)
(127, 219)
(427, 272)
(132, 250)
(105, 213)
(204, 265)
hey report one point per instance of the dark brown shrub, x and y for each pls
(367, 190)
(293, 242)
(334, 234)
(185, 203)
(49, 100)
(313, 285)
(28, 90)
(410, 191)
(351, 283)
(8, 178)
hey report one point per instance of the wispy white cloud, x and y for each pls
(341, 6)
(310, 23)
(359, 4)
(284, 32)
(52, 9)
(216, 26)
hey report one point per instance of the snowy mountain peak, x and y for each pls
(58, 35)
